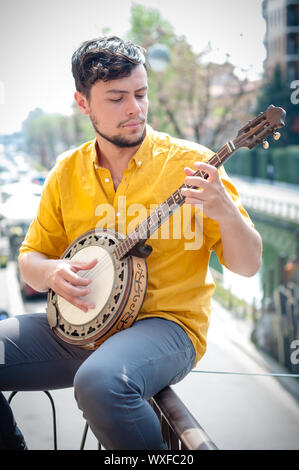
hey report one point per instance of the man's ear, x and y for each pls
(82, 102)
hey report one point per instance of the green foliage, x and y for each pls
(148, 27)
(284, 159)
(48, 135)
(182, 97)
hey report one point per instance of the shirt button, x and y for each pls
(139, 163)
(106, 180)
(117, 214)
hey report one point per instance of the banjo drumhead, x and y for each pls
(103, 278)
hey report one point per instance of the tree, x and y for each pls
(192, 99)
(48, 135)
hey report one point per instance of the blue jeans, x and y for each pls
(111, 384)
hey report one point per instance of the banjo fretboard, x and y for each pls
(146, 228)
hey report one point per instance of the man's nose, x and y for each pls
(133, 107)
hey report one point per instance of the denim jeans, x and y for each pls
(111, 384)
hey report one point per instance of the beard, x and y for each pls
(118, 140)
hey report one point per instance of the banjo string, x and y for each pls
(98, 268)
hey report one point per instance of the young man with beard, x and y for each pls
(131, 161)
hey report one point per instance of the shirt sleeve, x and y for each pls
(211, 229)
(46, 233)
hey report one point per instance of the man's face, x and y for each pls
(118, 108)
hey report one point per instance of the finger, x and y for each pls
(196, 181)
(79, 303)
(75, 279)
(82, 266)
(206, 168)
(73, 291)
(192, 193)
(74, 296)
(194, 202)
(189, 171)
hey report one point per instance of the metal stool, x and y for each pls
(53, 414)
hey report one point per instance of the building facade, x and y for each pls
(282, 36)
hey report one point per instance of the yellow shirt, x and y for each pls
(79, 195)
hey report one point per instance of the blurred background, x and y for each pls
(214, 66)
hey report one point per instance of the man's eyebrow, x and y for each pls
(116, 90)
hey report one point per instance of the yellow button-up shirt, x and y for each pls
(79, 195)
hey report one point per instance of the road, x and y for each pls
(237, 411)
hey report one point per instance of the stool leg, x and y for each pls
(11, 396)
(54, 418)
(53, 413)
(84, 436)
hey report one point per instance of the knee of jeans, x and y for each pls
(101, 384)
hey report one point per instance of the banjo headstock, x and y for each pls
(256, 131)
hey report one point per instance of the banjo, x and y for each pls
(120, 276)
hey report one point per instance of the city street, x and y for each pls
(237, 411)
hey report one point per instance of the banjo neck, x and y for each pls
(147, 227)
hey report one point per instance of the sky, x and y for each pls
(38, 38)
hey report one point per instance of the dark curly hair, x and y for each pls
(105, 58)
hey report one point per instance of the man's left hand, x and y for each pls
(210, 195)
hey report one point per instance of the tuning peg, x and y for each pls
(266, 144)
(276, 135)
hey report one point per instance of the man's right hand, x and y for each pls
(42, 273)
(61, 276)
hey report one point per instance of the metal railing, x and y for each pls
(285, 210)
(180, 429)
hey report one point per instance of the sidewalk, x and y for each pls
(239, 332)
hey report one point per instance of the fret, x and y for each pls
(218, 157)
(154, 217)
(127, 243)
(163, 210)
(142, 230)
(179, 199)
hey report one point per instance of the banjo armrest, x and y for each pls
(141, 250)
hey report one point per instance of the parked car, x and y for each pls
(4, 251)
(27, 291)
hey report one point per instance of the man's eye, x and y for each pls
(141, 96)
(116, 100)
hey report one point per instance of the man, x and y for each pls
(128, 161)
